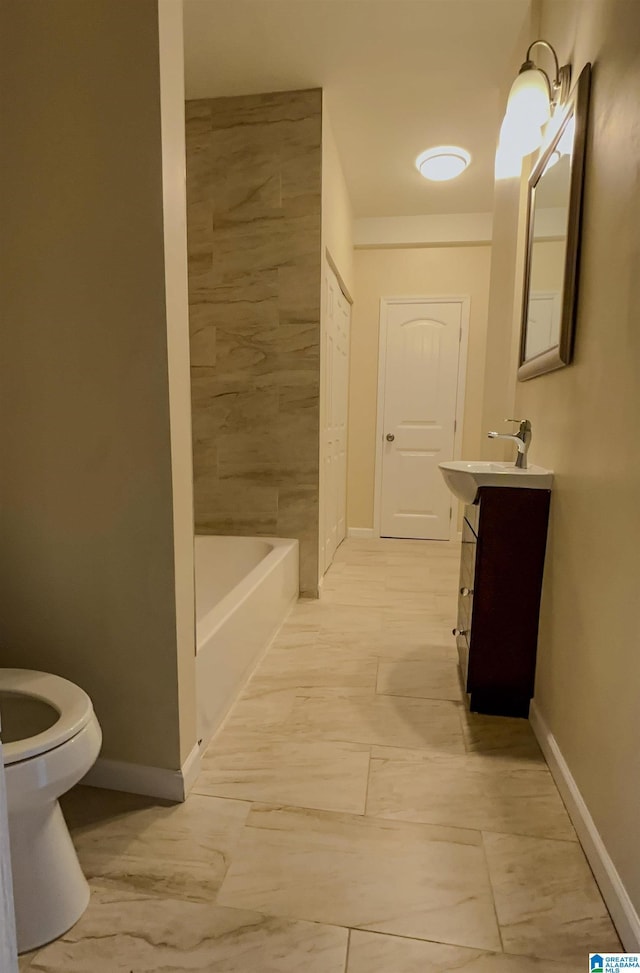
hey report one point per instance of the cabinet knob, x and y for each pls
(390, 437)
(465, 592)
(460, 631)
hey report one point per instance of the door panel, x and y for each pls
(543, 322)
(420, 394)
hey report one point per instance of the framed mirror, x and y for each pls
(550, 292)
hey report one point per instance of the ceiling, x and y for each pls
(399, 76)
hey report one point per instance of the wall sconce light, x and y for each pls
(532, 99)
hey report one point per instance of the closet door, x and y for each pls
(336, 387)
(343, 325)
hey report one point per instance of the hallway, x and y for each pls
(351, 815)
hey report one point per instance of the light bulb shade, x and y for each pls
(519, 135)
(508, 163)
(443, 162)
(529, 97)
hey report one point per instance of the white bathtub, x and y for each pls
(245, 587)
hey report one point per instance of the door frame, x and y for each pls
(464, 301)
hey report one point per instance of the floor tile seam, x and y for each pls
(434, 942)
(369, 743)
(268, 739)
(565, 841)
(332, 690)
(233, 800)
(365, 816)
(346, 957)
(367, 785)
(435, 699)
(375, 932)
(491, 888)
(445, 753)
(468, 827)
(479, 949)
(275, 806)
(310, 689)
(506, 834)
(116, 886)
(279, 805)
(366, 813)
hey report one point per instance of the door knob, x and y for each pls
(390, 437)
(466, 592)
(460, 631)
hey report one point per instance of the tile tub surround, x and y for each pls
(316, 838)
(254, 221)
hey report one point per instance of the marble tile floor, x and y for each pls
(351, 816)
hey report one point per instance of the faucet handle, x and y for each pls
(525, 425)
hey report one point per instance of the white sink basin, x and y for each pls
(464, 479)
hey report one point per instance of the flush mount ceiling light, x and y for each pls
(442, 162)
(532, 99)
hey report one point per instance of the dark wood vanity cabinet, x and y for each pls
(504, 537)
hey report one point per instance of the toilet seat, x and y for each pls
(71, 702)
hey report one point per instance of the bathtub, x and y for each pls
(245, 587)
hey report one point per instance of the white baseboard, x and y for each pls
(614, 893)
(361, 533)
(168, 785)
(191, 769)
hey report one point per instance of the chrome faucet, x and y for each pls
(522, 439)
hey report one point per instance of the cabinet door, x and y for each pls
(509, 561)
(465, 594)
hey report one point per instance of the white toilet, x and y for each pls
(50, 738)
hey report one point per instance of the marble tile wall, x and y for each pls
(254, 221)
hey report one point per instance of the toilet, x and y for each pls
(50, 739)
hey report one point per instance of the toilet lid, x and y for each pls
(72, 704)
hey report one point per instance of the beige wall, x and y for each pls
(428, 271)
(337, 214)
(174, 194)
(254, 221)
(585, 426)
(505, 290)
(505, 301)
(87, 558)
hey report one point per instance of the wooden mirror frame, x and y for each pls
(561, 354)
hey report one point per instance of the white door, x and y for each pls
(336, 379)
(543, 322)
(420, 349)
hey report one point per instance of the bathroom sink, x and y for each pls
(464, 479)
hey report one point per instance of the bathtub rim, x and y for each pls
(215, 617)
